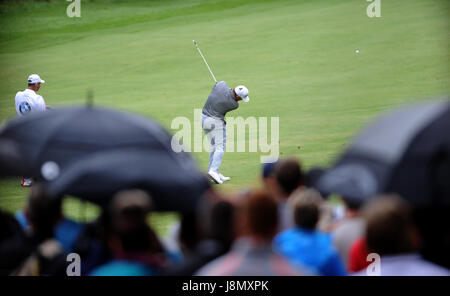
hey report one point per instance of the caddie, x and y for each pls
(28, 101)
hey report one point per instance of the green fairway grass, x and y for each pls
(297, 58)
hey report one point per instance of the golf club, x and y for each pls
(198, 48)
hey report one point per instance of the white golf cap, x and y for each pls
(34, 78)
(242, 92)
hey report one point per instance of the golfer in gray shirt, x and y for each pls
(221, 100)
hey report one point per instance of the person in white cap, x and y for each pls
(221, 100)
(28, 101)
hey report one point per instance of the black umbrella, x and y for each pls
(11, 161)
(62, 136)
(406, 151)
(57, 144)
(97, 177)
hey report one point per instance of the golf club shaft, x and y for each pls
(199, 51)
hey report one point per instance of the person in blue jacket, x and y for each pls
(305, 244)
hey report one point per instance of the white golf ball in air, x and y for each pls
(357, 51)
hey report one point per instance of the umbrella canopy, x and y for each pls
(59, 147)
(63, 136)
(12, 163)
(406, 151)
(97, 177)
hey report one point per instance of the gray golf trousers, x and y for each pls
(215, 130)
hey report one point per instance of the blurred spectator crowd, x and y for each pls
(282, 228)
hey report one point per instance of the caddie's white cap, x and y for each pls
(34, 78)
(242, 92)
